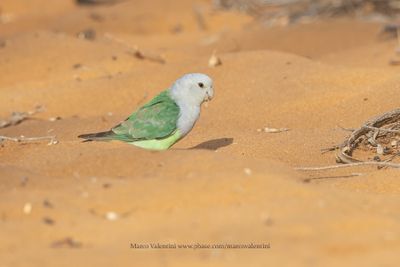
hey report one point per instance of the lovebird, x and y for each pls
(166, 118)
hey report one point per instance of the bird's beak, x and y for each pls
(209, 94)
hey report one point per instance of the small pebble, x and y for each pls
(379, 149)
(266, 219)
(52, 142)
(54, 118)
(27, 209)
(247, 171)
(106, 185)
(214, 61)
(112, 216)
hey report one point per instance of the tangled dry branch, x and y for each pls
(380, 135)
(385, 127)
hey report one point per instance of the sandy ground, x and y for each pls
(225, 182)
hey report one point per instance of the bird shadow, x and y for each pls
(214, 144)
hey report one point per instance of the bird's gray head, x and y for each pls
(193, 89)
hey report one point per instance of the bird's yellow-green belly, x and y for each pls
(158, 144)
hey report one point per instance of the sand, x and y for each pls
(226, 182)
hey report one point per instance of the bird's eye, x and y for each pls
(201, 85)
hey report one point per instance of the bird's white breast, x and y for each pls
(188, 116)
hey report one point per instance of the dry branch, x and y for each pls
(385, 127)
(373, 127)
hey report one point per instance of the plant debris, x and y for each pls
(88, 34)
(67, 242)
(389, 31)
(135, 51)
(47, 204)
(307, 180)
(23, 139)
(48, 221)
(365, 163)
(18, 117)
(284, 12)
(378, 138)
(273, 130)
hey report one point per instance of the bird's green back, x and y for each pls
(155, 120)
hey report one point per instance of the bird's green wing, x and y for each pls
(155, 120)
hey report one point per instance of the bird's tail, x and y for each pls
(102, 136)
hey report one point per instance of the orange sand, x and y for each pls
(225, 182)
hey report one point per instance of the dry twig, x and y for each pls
(365, 163)
(373, 134)
(22, 138)
(307, 180)
(273, 130)
(135, 51)
(18, 117)
(67, 242)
